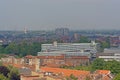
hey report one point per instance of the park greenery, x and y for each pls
(21, 49)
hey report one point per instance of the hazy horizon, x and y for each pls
(51, 14)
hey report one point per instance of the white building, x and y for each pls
(110, 54)
(108, 57)
(69, 48)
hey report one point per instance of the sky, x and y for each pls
(51, 14)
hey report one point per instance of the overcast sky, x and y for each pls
(50, 14)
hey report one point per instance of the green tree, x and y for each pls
(84, 39)
(105, 44)
(4, 70)
(113, 66)
(98, 64)
(117, 77)
(13, 74)
(1, 49)
(22, 49)
(2, 77)
(12, 48)
(72, 77)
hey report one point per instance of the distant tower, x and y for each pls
(25, 30)
(62, 31)
(76, 36)
(55, 43)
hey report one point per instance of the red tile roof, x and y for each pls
(15, 65)
(29, 56)
(50, 57)
(103, 72)
(65, 72)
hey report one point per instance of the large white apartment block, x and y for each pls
(69, 48)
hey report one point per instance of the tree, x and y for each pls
(2, 77)
(113, 66)
(105, 44)
(9, 73)
(98, 64)
(72, 77)
(117, 77)
(84, 39)
(13, 74)
(83, 67)
(1, 49)
(4, 70)
(23, 48)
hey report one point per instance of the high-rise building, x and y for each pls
(25, 30)
(62, 31)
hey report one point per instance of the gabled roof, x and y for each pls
(104, 72)
(65, 72)
(106, 75)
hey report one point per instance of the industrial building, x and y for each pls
(70, 54)
(72, 49)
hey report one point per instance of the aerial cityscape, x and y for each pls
(59, 40)
(60, 54)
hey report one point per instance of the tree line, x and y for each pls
(21, 49)
(100, 64)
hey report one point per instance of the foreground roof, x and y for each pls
(65, 72)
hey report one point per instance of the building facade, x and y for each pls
(67, 48)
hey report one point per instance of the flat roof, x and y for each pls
(70, 44)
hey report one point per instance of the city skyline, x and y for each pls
(51, 14)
